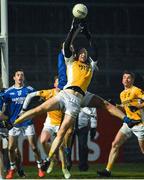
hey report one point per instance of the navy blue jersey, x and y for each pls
(62, 77)
(14, 98)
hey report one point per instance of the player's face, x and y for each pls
(127, 80)
(83, 55)
(19, 78)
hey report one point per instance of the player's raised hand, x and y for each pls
(77, 24)
(85, 30)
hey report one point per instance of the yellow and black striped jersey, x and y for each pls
(132, 97)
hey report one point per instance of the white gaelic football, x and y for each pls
(80, 11)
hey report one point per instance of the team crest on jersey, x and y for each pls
(19, 93)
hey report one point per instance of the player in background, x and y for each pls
(132, 102)
(4, 132)
(51, 126)
(13, 98)
(86, 121)
(4, 127)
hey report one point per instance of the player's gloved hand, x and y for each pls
(92, 133)
(133, 108)
(76, 23)
(85, 30)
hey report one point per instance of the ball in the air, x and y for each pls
(80, 11)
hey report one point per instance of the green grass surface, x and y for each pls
(120, 171)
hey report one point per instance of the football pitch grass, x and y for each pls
(120, 171)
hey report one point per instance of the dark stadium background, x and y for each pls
(38, 27)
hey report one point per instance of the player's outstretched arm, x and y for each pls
(75, 29)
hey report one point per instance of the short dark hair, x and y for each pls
(16, 70)
(129, 72)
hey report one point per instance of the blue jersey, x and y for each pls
(62, 77)
(14, 98)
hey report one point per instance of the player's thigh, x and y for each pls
(13, 137)
(45, 136)
(49, 105)
(139, 132)
(96, 101)
(121, 137)
(66, 124)
(29, 131)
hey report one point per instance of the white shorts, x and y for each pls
(25, 131)
(52, 129)
(69, 103)
(137, 130)
(87, 98)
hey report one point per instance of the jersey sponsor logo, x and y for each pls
(18, 100)
(84, 67)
